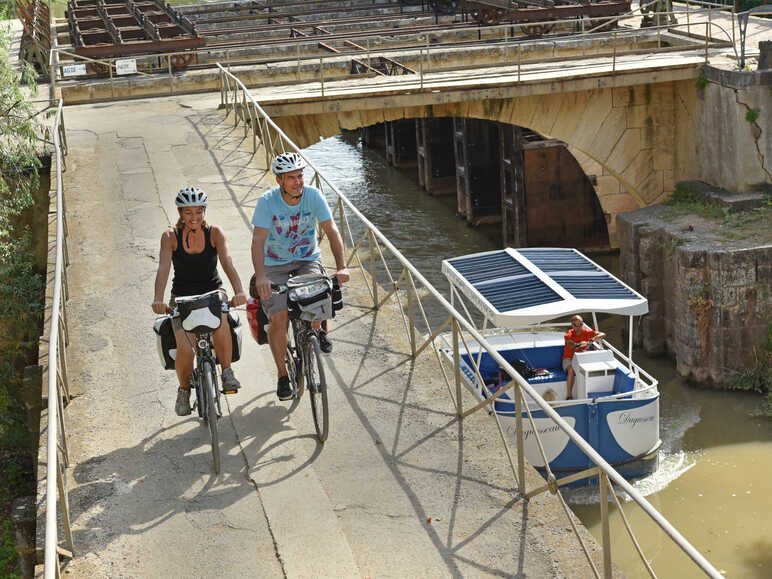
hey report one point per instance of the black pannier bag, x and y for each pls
(167, 346)
(200, 314)
(337, 297)
(234, 323)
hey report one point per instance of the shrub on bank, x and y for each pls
(21, 286)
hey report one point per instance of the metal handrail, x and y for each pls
(55, 484)
(503, 28)
(259, 120)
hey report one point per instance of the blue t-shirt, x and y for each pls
(292, 229)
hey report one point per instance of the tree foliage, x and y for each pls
(21, 285)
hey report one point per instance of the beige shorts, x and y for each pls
(279, 274)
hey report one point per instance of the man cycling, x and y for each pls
(284, 243)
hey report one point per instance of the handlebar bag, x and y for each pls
(200, 314)
(309, 297)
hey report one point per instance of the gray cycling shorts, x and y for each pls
(279, 274)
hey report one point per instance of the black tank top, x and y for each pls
(195, 273)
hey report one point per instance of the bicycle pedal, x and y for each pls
(231, 391)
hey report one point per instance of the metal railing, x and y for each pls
(58, 388)
(418, 49)
(268, 136)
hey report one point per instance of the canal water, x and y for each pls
(713, 483)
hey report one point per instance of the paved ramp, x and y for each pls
(400, 489)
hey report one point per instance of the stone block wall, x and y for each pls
(734, 132)
(709, 304)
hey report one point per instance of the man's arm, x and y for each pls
(224, 255)
(336, 245)
(262, 283)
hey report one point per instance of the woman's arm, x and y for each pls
(168, 240)
(223, 253)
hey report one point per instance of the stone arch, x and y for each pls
(641, 135)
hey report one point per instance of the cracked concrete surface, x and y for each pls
(400, 489)
(755, 132)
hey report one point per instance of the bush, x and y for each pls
(8, 558)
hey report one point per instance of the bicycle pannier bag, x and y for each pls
(200, 314)
(167, 346)
(257, 320)
(234, 323)
(337, 297)
(309, 297)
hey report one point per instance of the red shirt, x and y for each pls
(576, 336)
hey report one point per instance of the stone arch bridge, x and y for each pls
(634, 132)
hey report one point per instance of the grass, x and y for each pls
(752, 115)
(8, 560)
(685, 200)
(757, 377)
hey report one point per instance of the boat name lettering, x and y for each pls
(552, 428)
(633, 421)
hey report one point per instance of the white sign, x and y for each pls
(126, 66)
(73, 69)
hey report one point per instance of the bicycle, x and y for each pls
(201, 315)
(310, 298)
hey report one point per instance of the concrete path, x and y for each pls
(399, 490)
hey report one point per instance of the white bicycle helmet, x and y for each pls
(286, 162)
(191, 197)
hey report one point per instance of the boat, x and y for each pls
(526, 298)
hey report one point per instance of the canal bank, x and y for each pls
(711, 445)
(704, 260)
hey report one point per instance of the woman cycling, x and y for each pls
(193, 247)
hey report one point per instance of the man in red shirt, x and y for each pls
(578, 339)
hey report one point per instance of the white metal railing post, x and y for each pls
(457, 367)
(614, 54)
(411, 310)
(706, 42)
(222, 86)
(603, 485)
(371, 240)
(171, 77)
(321, 72)
(421, 66)
(519, 439)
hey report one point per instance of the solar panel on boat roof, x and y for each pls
(558, 260)
(504, 282)
(577, 274)
(523, 292)
(479, 268)
(601, 287)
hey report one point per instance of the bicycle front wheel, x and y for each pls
(210, 390)
(317, 388)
